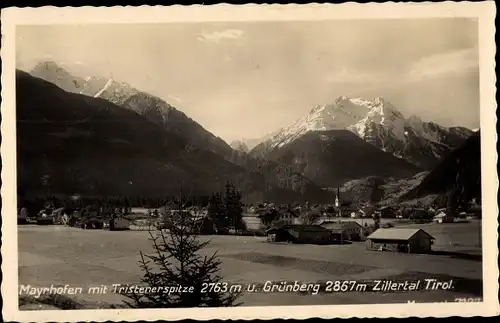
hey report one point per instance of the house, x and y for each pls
(119, 224)
(252, 221)
(442, 217)
(58, 215)
(338, 236)
(401, 240)
(295, 233)
(420, 216)
(351, 230)
(251, 209)
(366, 211)
(282, 215)
(45, 217)
(338, 232)
(346, 209)
(387, 212)
(288, 216)
(327, 218)
(360, 213)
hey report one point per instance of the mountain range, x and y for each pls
(379, 123)
(330, 158)
(89, 146)
(335, 144)
(276, 178)
(124, 95)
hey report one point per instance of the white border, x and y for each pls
(484, 11)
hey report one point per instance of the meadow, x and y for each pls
(62, 255)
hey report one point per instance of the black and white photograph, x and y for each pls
(239, 163)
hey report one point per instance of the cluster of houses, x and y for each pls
(319, 224)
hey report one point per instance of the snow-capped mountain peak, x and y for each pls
(378, 122)
(343, 113)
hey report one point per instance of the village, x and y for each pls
(383, 228)
(311, 244)
(79, 252)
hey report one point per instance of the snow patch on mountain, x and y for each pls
(343, 113)
(106, 86)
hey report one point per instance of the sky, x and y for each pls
(245, 79)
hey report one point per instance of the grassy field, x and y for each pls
(86, 258)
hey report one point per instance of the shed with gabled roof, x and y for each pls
(299, 234)
(351, 230)
(403, 240)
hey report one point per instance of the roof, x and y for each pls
(351, 223)
(342, 224)
(396, 234)
(332, 225)
(298, 227)
(308, 228)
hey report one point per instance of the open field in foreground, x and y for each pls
(84, 258)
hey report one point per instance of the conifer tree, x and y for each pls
(233, 207)
(216, 211)
(177, 261)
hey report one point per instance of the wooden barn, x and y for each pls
(295, 233)
(400, 240)
(351, 230)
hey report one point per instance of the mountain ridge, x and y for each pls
(332, 157)
(91, 146)
(177, 122)
(123, 94)
(379, 123)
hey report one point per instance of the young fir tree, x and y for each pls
(178, 261)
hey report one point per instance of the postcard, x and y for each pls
(249, 162)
